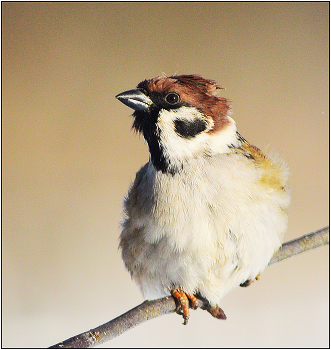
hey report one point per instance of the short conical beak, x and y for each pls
(135, 99)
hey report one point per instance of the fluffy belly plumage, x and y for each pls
(207, 242)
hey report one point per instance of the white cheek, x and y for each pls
(175, 145)
(178, 148)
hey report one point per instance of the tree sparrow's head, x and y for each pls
(181, 118)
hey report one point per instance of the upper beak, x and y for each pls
(135, 99)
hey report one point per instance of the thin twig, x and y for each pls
(301, 244)
(153, 308)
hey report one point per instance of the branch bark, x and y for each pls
(153, 308)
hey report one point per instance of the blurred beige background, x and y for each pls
(69, 156)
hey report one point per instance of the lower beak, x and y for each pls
(135, 99)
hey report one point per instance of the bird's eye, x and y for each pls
(172, 98)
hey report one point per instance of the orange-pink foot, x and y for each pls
(183, 300)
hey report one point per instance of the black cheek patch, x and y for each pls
(189, 128)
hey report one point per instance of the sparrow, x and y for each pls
(208, 211)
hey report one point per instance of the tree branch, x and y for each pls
(153, 308)
(301, 244)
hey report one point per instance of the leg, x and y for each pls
(183, 300)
